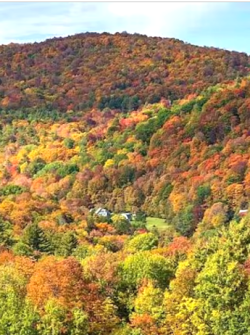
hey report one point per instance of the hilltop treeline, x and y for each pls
(120, 71)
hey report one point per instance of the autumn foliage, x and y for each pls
(151, 126)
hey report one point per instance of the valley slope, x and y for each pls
(152, 126)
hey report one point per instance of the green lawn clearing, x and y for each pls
(157, 222)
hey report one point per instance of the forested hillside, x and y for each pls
(172, 143)
(119, 71)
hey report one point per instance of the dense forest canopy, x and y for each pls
(150, 126)
(119, 71)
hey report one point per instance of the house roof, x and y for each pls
(243, 212)
(101, 209)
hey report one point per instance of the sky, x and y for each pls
(224, 25)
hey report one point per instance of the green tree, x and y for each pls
(79, 324)
(54, 319)
(69, 143)
(219, 293)
(66, 244)
(11, 189)
(121, 224)
(22, 249)
(203, 192)
(35, 166)
(221, 296)
(183, 221)
(149, 301)
(34, 237)
(144, 265)
(142, 242)
(17, 316)
(6, 233)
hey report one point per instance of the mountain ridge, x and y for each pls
(120, 71)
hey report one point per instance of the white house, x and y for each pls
(127, 216)
(102, 212)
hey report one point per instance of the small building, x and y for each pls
(243, 212)
(127, 216)
(103, 212)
